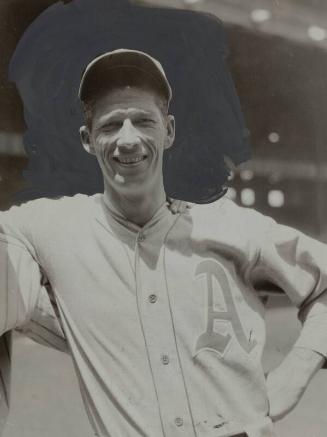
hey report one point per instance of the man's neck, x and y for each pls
(137, 208)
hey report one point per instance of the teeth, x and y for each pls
(129, 160)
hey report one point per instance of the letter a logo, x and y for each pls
(211, 339)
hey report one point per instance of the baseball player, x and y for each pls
(161, 312)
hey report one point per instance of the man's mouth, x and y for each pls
(130, 160)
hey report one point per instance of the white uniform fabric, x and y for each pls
(164, 324)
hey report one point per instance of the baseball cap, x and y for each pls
(124, 66)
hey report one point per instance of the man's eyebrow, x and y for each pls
(121, 112)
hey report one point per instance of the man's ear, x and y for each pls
(170, 131)
(86, 139)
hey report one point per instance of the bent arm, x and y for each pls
(24, 300)
(20, 283)
(298, 265)
(19, 290)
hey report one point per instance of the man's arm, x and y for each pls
(298, 265)
(21, 280)
(287, 383)
(20, 286)
(20, 283)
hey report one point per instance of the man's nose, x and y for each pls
(128, 136)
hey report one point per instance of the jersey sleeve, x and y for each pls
(44, 326)
(26, 298)
(298, 265)
(21, 279)
(20, 283)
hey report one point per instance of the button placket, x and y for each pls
(159, 336)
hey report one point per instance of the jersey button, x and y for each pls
(179, 421)
(153, 298)
(165, 359)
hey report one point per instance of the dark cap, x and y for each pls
(123, 64)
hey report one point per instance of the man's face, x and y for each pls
(128, 136)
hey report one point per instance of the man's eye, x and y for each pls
(111, 126)
(145, 121)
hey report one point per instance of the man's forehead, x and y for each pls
(127, 98)
(129, 111)
(128, 92)
(123, 113)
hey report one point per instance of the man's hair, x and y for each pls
(124, 77)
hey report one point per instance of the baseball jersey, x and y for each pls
(164, 323)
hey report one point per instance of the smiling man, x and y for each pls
(161, 312)
(128, 129)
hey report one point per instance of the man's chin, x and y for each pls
(130, 182)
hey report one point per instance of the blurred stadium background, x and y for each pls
(279, 63)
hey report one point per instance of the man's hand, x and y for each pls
(287, 383)
(177, 206)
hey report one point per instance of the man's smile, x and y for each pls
(129, 160)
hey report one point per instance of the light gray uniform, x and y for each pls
(163, 322)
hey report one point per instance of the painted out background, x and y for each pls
(278, 61)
